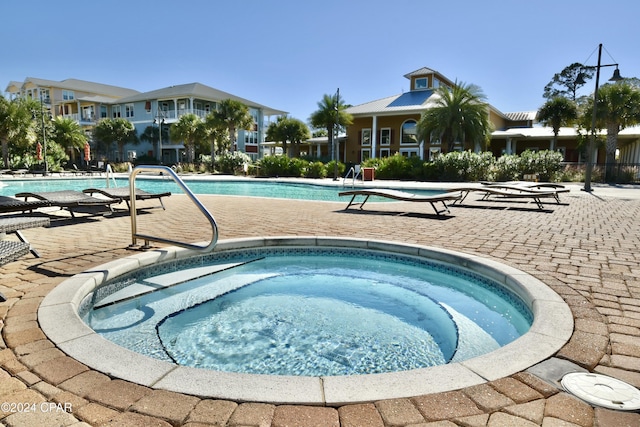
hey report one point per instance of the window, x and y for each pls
(385, 136)
(116, 112)
(365, 154)
(68, 95)
(103, 111)
(385, 152)
(409, 132)
(409, 152)
(44, 93)
(436, 83)
(128, 110)
(87, 113)
(366, 137)
(250, 137)
(420, 83)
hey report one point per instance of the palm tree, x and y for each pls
(558, 112)
(16, 124)
(152, 134)
(216, 133)
(618, 108)
(460, 114)
(331, 115)
(119, 130)
(288, 129)
(233, 115)
(187, 130)
(69, 135)
(619, 105)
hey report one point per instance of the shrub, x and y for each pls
(546, 163)
(273, 166)
(232, 162)
(506, 168)
(464, 166)
(396, 167)
(316, 170)
(330, 167)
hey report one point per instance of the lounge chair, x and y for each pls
(504, 192)
(528, 187)
(124, 194)
(10, 250)
(71, 200)
(403, 196)
(10, 204)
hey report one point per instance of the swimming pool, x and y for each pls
(308, 311)
(240, 187)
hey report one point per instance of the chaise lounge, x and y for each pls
(504, 192)
(71, 200)
(10, 204)
(124, 194)
(402, 196)
(11, 250)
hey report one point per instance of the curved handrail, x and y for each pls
(194, 199)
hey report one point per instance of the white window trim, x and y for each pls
(364, 141)
(129, 110)
(385, 152)
(402, 134)
(426, 83)
(365, 154)
(382, 137)
(409, 152)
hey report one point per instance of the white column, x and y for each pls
(374, 136)
(551, 145)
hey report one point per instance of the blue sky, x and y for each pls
(287, 54)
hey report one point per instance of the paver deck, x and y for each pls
(587, 249)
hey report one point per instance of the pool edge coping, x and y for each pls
(551, 329)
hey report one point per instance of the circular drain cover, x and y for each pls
(602, 391)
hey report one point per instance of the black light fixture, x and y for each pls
(592, 140)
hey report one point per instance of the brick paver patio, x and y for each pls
(587, 249)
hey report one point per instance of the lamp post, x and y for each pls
(160, 119)
(44, 135)
(336, 144)
(592, 140)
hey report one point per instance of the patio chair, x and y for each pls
(124, 194)
(403, 196)
(11, 204)
(11, 250)
(71, 200)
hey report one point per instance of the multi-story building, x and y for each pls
(88, 102)
(85, 102)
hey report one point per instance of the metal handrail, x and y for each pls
(355, 173)
(194, 199)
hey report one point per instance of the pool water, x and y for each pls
(306, 311)
(254, 188)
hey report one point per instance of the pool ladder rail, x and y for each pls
(147, 238)
(354, 172)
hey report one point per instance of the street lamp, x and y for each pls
(592, 140)
(44, 135)
(336, 144)
(160, 120)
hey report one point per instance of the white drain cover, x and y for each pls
(603, 391)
